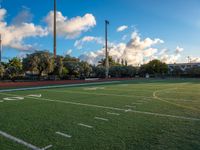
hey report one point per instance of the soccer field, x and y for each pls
(118, 115)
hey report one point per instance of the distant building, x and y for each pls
(183, 66)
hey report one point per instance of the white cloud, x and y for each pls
(68, 52)
(179, 49)
(13, 35)
(2, 14)
(171, 58)
(194, 59)
(70, 28)
(122, 28)
(137, 51)
(79, 43)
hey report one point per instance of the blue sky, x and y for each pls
(177, 23)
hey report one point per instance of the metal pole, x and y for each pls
(106, 48)
(54, 45)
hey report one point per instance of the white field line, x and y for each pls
(63, 134)
(84, 125)
(1, 101)
(111, 113)
(99, 118)
(98, 94)
(130, 106)
(47, 147)
(6, 135)
(172, 103)
(57, 86)
(111, 108)
(35, 95)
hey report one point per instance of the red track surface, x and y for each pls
(44, 83)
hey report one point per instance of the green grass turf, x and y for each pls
(35, 120)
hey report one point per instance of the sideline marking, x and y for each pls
(63, 134)
(13, 98)
(99, 118)
(47, 147)
(6, 135)
(110, 108)
(111, 113)
(84, 125)
(57, 86)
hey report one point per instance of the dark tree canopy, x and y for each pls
(40, 61)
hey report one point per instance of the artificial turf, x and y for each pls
(153, 114)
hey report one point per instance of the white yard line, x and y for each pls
(84, 125)
(99, 118)
(111, 113)
(63, 134)
(8, 136)
(47, 147)
(110, 108)
(57, 86)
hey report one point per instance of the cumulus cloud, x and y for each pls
(135, 51)
(122, 28)
(79, 43)
(171, 58)
(13, 35)
(70, 28)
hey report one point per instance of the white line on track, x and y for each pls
(57, 86)
(99, 118)
(110, 108)
(6, 135)
(47, 147)
(111, 113)
(84, 125)
(63, 134)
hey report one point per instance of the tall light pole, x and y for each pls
(54, 30)
(106, 48)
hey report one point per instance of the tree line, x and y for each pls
(42, 65)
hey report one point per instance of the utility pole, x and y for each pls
(0, 48)
(106, 48)
(54, 30)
